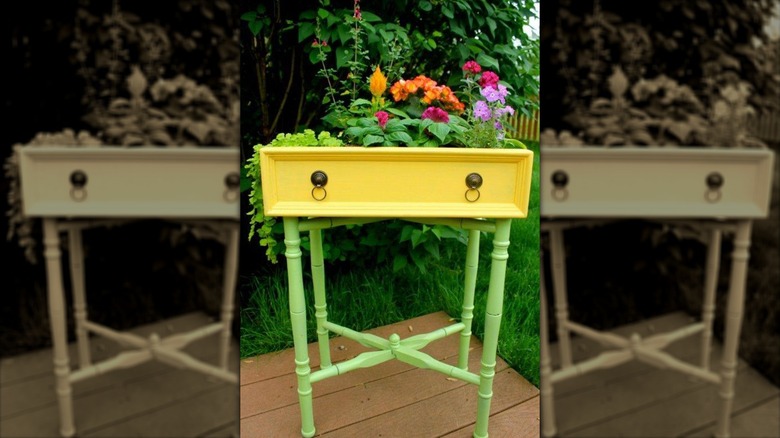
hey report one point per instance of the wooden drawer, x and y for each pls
(395, 182)
(656, 182)
(134, 182)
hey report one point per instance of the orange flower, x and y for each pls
(377, 83)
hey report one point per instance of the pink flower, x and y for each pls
(382, 117)
(471, 67)
(435, 114)
(488, 79)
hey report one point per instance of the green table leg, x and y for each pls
(495, 303)
(472, 260)
(320, 306)
(292, 241)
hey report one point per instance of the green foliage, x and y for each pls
(403, 37)
(264, 226)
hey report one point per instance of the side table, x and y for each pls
(73, 189)
(319, 188)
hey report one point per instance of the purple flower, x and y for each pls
(382, 117)
(481, 111)
(435, 114)
(504, 110)
(498, 125)
(493, 94)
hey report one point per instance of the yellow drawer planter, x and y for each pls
(396, 182)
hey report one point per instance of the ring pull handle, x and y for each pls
(560, 180)
(319, 180)
(473, 182)
(78, 179)
(714, 183)
(232, 183)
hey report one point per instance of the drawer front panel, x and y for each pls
(130, 182)
(656, 183)
(397, 182)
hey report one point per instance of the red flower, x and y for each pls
(471, 67)
(382, 117)
(488, 79)
(436, 114)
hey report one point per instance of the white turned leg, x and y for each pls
(59, 329)
(558, 261)
(710, 286)
(79, 297)
(228, 292)
(734, 311)
(548, 413)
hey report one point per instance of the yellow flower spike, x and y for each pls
(378, 83)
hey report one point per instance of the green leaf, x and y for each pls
(307, 15)
(432, 246)
(343, 32)
(255, 27)
(400, 137)
(440, 130)
(425, 5)
(399, 262)
(370, 17)
(323, 13)
(492, 25)
(431, 43)
(487, 61)
(305, 30)
(361, 102)
(447, 12)
(417, 237)
(249, 16)
(397, 112)
(418, 261)
(342, 57)
(373, 139)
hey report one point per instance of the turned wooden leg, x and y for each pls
(79, 297)
(558, 259)
(495, 303)
(710, 286)
(228, 292)
(320, 301)
(545, 374)
(470, 283)
(292, 241)
(734, 312)
(59, 329)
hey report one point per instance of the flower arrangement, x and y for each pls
(420, 112)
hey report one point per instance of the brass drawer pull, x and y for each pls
(473, 182)
(319, 179)
(232, 183)
(560, 180)
(78, 179)
(714, 182)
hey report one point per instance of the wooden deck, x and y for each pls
(151, 400)
(390, 400)
(638, 400)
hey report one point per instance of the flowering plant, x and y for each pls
(423, 113)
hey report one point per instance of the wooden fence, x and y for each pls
(524, 128)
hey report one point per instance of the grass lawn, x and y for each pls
(363, 299)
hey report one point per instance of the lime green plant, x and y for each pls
(259, 223)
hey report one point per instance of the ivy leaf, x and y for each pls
(255, 27)
(399, 262)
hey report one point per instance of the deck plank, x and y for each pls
(519, 421)
(359, 402)
(107, 401)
